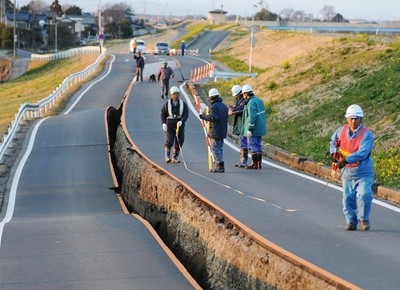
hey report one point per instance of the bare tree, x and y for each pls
(286, 13)
(39, 7)
(116, 12)
(328, 12)
(298, 15)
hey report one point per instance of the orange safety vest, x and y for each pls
(349, 146)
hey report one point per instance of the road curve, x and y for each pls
(284, 206)
(63, 227)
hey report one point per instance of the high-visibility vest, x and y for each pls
(349, 146)
(171, 115)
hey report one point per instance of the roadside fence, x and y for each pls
(68, 53)
(205, 71)
(29, 111)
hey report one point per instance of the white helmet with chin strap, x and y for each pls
(213, 93)
(236, 89)
(354, 111)
(247, 89)
(175, 90)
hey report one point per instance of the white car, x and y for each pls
(162, 48)
(140, 45)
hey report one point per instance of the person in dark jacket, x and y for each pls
(174, 114)
(218, 120)
(254, 125)
(139, 66)
(237, 112)
(164, 75)
(183, 46)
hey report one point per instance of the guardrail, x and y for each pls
(66, 54)
(29, 111)
(230, 75)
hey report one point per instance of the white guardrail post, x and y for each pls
(30, 111)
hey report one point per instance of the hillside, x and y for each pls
(308, 81)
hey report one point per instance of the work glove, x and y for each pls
(333, 159)
(248, 133)
(164, 127)
(201, 116)
(179, 124)
(342, 163)
(203, 108)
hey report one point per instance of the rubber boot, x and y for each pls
(254, 162)
(167, 155)
(220, 168)
(259, 160)
(243, 159)
(175, 156)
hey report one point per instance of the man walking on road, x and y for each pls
(254, 125)
(355, 143)
(165, 74)
(173, 118)
(218, 119)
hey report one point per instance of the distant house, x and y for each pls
(216, 17)
(81, 22)
(24, 20)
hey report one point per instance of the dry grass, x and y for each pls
(39, 82)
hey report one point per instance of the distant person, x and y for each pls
(139, 66)
(237, 112)
(133, 45)
(173, 117)
(183, 46)
(254, 125)
(218, 121)
(355, 143)
(164, 75)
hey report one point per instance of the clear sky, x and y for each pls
(377, 10)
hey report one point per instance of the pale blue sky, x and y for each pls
(351, 9)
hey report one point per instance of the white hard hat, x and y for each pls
(236, 89)
(175, 90)
(213, 93)
(354, 111)
(247, 88)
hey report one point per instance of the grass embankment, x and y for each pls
(42, 78)
(306, 96)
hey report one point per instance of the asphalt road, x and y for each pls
(63, 228)
(284, 206)
(67, 229)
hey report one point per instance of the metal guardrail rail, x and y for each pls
(230, 75)
(29, 111)
(68, 53)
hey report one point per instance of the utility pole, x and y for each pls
(100, 28)
(15, 34)
(2, 11)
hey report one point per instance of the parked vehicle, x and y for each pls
(162, 48)
(140, 46)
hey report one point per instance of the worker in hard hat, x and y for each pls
(183, 46)
(237, 112)
(254, 126)
(218, 128)
(355, 142)
(174, 115)
(164, 75)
